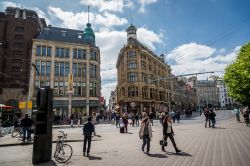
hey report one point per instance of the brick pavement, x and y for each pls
(226, 145)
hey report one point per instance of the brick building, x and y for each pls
(17, 29)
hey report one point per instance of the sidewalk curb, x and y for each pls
(30, 143)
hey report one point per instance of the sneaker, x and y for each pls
(178, 151)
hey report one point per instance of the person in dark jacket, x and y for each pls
(88, 129)
(26, 124)
(206, 113)
(212, 116)
(168, 132)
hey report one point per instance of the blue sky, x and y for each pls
(195, 35)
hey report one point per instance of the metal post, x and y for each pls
(87, 83)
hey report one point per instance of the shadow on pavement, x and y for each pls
(179, 154)
(220, 128)
(158, 155)
(129, 133)
(50, 163)
(94, 158)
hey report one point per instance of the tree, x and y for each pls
(237, 76)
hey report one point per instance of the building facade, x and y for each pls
(137, 67)
(69, 62)
(225, 100)
(17, 29)
(207, 93)
(185, 97)
(112, 100)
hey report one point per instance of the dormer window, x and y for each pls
(64, 33)
(79, 35)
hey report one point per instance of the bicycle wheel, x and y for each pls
(14, 133)
(63, 153)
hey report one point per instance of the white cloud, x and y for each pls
(40, 13)
(108, 5)
(76, 20)
(149, 37)
(143, 4)
(6, 4)
(193, 58)
(190, 52)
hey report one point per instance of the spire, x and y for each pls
(88, 14)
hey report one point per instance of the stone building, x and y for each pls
(138, 69)
(113, 100)
(17, 29)
(185, 97)
(69, 62)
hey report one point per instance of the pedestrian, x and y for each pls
(178, 116)
(173, 114)
(125, 122)
(133, 119)
(151, 117)
(145, 132)
(137, 119)
(206, 113)
(94, 118)
(212, 116)
(26, 124)
(168, 132)
(88, 130)
(117, 120)
(237, 113)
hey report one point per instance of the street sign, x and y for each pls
(29, 104)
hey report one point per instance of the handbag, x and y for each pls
(163, 142)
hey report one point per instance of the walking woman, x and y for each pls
(145, 132)
(125, 122)
(168, 132)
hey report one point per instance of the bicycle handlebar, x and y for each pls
(64, 134)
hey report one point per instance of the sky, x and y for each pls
(194, 35)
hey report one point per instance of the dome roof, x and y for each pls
(131, 27)
(89, 35)
(88, 30)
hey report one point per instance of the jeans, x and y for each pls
(146, 140)
(86, 139)
(117, 123)
(170, 135)
(26, 129)
(208, 119)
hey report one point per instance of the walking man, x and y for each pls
(168, 132)
(145, 132)
(26, 124)
(206, 113)
(88, 129)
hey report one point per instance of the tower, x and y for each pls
(131, 32)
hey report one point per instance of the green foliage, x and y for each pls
(237, 76)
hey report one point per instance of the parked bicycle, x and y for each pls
(17, 131)
(63, 152)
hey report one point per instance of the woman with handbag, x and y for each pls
(145, 132)
(168, 132)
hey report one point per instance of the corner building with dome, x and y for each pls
(136, 67)
(69, 62)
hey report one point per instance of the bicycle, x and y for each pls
(63, 152)
(17, 131)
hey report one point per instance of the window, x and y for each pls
(79, 35)
(19, 37)
(93, 55)
(66, 53)
(43, 51)
(57, 52)
(43, 64)
(48, 69)
(18, 53)
(144, 92)
(74, 69)
(92, 89)
(132, 64)
(83, 89)
(132, 77)
(38, 64)
(18, 45)
(75, 53)
(56, 68)
(79, 71)
(62, 52)
(62, 69)
(131, 54)
(80, 53)
(66, 68)
(19, 29)
(92, 71)
(84, 70)
(132, 91)
(48, 51)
